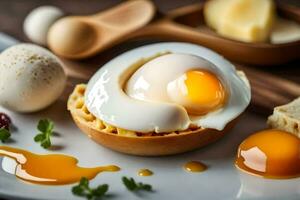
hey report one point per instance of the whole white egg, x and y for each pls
(38, 22)
(32, 78)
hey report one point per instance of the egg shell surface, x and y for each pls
(32, 78)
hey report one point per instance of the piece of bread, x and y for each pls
(130, 142)
(287, 117)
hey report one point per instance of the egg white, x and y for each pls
(106, 99)
(156, 80)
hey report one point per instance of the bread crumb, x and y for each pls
(286, 117)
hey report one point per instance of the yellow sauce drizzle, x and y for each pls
(52, 169)
(195, 166)
(145, 172)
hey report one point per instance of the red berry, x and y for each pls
(4, 121)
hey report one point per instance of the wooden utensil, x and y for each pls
(187, 24)
(79, 37)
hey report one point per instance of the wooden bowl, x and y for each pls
(187, 24)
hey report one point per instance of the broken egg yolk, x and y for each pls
(271, 154)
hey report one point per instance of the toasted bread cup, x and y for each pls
(129, 142)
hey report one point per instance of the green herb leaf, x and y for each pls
(4, 134)
(45, 126)
(131, 185)
(39, 137)
(77, 190)
(100, 190)
(83, 190)
(146, 187)
(46, 143)
(84, 182)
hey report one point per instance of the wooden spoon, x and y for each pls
(78, 37)
(92, 35)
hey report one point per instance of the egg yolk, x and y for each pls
(271, 154)
(199, 92)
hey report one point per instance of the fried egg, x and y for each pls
(184, 79)
(191, 86)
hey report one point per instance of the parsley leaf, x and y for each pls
(4, 134)
(131, 185)
(83, 190)
(45, 126)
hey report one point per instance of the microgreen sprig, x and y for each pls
(83, 190)
(45, 126)
(4, 134)
(131, 185)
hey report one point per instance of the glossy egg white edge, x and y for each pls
(106, 99)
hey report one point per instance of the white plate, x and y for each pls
(221, 181)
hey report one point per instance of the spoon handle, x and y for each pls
(129, 10)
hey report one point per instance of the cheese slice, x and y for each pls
(215, 10)
(243, 20)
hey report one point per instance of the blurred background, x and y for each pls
(13, 12)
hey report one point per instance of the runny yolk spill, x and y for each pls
(271, 154)
(204, 92)
(195, 166)
(145, 172)
(52, 169)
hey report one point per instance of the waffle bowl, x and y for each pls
(135, 143)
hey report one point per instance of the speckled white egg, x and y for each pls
(38, 22)
(31, 79)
